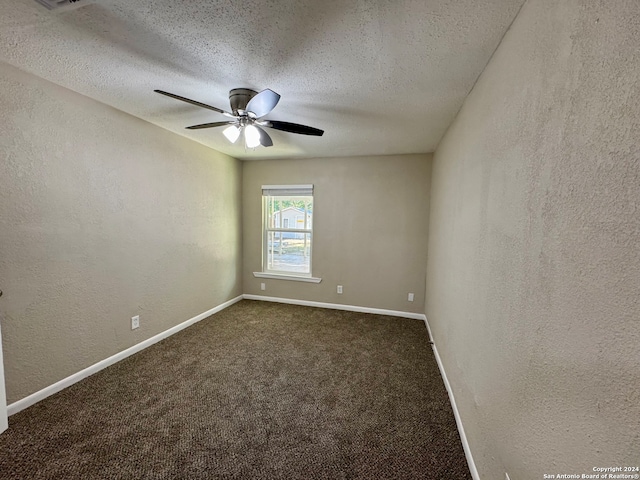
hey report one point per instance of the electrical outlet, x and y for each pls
(135, 322)
(340, 289)
(410, 297)
(263, 286)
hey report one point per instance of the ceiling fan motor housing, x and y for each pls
(239, 98)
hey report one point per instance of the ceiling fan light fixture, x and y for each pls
(232, 133)
(251, 136)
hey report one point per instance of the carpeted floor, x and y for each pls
(257, 391)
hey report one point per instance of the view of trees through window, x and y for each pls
(288, 227)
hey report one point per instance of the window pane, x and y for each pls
(274, 212)
(289, 212)
(289, 252)
(308, 206)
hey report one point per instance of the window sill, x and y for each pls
(280, 276)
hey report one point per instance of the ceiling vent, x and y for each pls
(64, 5)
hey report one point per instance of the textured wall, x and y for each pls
(103, 216)
(534, 245)
(370, 225)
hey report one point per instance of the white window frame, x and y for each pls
(285, 191)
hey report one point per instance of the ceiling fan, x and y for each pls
(247, 109)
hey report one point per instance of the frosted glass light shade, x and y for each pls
(252, 136)
(232, 133)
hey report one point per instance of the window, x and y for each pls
(287, 231)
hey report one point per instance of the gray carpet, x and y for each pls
(259, 390)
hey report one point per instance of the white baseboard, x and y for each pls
(336, 306)
(76, 377)
(456, 413)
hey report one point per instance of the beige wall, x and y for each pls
(534, 245)
(102, 217)
(370, 226)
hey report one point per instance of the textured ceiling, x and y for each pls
(379, 76)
